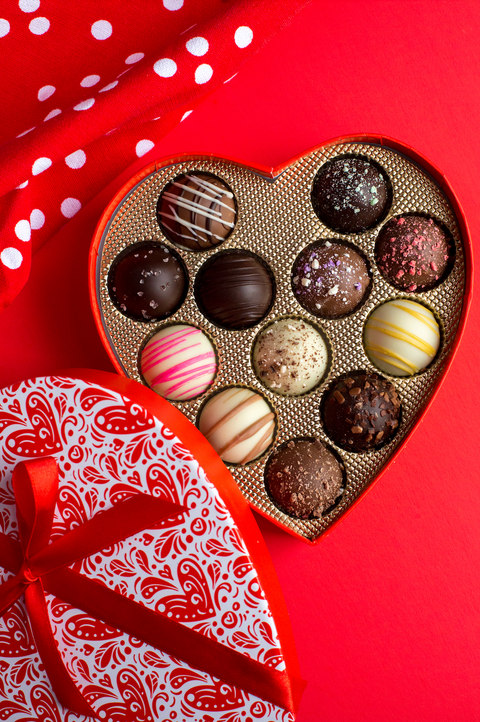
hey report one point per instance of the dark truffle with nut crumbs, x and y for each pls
(234, 289)
(148, 282)
(350, 195)
(361, 412)
(413, 252)
(330, 279)
(304, 478)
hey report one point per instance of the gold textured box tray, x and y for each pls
(276, 220)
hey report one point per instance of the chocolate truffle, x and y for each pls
(178, 362)
(196, 211)
(330, 279)
(350, 194)
(290, 357)
(238, 423)
(148, 282)
(303, 478)
(413, 253)
(234, 289)
(401, 337)
(361, 411)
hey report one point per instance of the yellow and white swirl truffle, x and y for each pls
(401, 337)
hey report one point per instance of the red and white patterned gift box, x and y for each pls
(206, 569)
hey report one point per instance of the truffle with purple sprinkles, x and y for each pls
(196, 211)
(330, 279)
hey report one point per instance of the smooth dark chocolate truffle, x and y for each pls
(350, 194)
(330, 279)
(196, 211)
(304, 478)
(361, 411)
(148, 282)
(234, 289)
(413, 252)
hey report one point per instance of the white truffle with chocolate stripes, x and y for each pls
(238, 423)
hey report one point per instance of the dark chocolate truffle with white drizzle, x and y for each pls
(196, 211)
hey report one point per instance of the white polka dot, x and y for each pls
(197, 46)
(39, 26)
(243, 36)
(76, 159)
(85, 104)
(185, 115)
(25, 132)
(165, 68)
(70, 206)
(143, 146)
(11, 258)
(230, 78)
(173, 4)
(22, 231)
(52, 114)
(134, 58)
(46, 92)
(40, 165)
(109, 86)
(29, 6)
(203, 73)
(101, 30)
(37, 219)
(4, 27)
(89, 81)
(22, 185)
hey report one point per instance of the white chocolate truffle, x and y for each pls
(179, 362)
(401, 337)
(238, 423)
(290, 357)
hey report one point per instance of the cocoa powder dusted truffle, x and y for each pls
(361, 411)
(330, 279)
(290, 357)
(148, 282)
(304, 478)
(350, 194)
(234, 289)
(413, 253)
(197, 211)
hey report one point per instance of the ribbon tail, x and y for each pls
(10, 591)
(63, 685)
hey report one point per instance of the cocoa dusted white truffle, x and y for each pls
(238, 423)
(304, 478)
(290, 357)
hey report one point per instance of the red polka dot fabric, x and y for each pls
(88, 87)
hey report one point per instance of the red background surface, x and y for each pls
(385, 610)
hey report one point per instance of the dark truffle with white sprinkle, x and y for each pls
(350, 195)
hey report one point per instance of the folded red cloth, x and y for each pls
(88, 87)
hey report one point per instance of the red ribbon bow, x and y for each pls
(41, 567)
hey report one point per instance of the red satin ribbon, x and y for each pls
(40, 567)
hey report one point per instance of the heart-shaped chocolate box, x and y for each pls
(276, 219)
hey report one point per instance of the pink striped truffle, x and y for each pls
(179, 362)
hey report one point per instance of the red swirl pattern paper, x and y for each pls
(195, 569)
